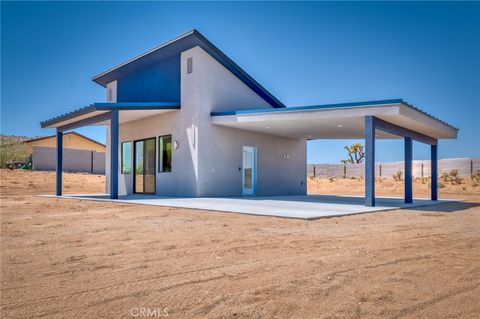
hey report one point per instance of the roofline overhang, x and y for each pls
(108, 107)
(308, 108)
(97, 77)
(216, 53)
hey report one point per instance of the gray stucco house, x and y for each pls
(184, 120)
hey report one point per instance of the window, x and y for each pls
(127, 157)
(165, 154)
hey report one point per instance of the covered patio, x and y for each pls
(385, 119)
(107, 114)
(308, 207)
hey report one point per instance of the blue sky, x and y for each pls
(304, 53)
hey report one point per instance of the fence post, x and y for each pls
(314, 173)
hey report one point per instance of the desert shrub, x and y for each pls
(475, 178)
(444, 177)
(441, 185)
(455, 179)
(331, 179)
(12, 152)
(426, 180)
(397, 176)
(451, 177)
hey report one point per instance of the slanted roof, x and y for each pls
(69, 133)
(130, 111)
(176, 46)
(335, 121)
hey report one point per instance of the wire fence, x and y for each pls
(464, 166)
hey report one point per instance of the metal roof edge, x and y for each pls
(337, 105)
(264, 93)
(428, 114)
(69, 115)
(217, 54)
(108, 106)
(309, 107)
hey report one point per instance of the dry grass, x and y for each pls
(12, 149)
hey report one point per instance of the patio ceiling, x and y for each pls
(335, 121)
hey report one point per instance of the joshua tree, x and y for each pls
(355, 152)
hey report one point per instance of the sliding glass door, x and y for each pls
(144, 178)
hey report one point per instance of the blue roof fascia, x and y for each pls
(120, 106)
(67, 116)
(176, 46)
(309, 107)
(330, 106)
(428, 114)
(137, 105)
(239, 72)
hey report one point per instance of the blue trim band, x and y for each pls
(136, 105)
(120, 106)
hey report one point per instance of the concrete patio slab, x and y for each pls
(301, 207)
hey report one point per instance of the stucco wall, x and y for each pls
(182, 181)
(208, 159)
(281, 162)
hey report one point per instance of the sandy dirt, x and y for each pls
(389, 187)
(78, 259)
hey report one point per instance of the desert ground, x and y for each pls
(63, 258)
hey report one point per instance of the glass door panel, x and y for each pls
(149, 169)
(249, 170)
(139, 159)
(145, 166)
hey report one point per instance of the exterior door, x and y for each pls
(249, 170)
(144, 177)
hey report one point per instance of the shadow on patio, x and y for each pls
(295, 206)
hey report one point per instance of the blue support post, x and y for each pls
(369, 161)
(434, 170)
(408, 170)
(114, 154)
(58, 187)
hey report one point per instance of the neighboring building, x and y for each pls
(185, 120)
(81, 154)
(72, 140)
